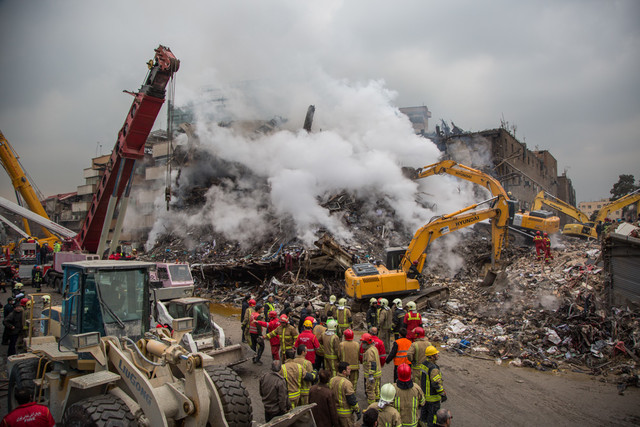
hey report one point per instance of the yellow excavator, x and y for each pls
(524, 223)
(588, 228)
(402, 273)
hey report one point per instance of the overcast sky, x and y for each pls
(564, 72)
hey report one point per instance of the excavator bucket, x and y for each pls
(489, 278)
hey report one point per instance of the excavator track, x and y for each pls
(431, 297)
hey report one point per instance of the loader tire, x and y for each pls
(97, 411)
(235, 398)
(22, 375)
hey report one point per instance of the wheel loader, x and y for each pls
(107, 368)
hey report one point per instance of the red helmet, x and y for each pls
(404, 372)
(419, 332)
(24, 301)
(348, 334)
(284, 319)
(310, 318)
(545, 234)
(38, 267)
(273, 314)
(379, 300)
(538, 233)
(252, 302)
(366, 337)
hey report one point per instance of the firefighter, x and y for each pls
(416, 355)
(330, 307)
(331, 347)
(372, 313)
(350, 352)
(398, 318)
(345, 397)
(247, 318)
(398, 352)
(308, 339)
(287, 334)
(309, 375)
(382, 350)
(431, 384)
(292, 373)
(274, 342)
(46, 301)
(538, 241)
(388, 416)
(409, 397)
(547, 248)
(269, 304)
(412, 320)
(343, 316)
(370, 368)
(385, 322)
(255, 332)
(37, 279)
(318, 330)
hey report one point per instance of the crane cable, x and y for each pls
(170, 101)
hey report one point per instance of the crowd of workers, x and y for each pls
(320, 361)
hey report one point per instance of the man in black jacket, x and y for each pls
(273, 390)
(13, 325)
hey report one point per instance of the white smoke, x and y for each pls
(359, 144)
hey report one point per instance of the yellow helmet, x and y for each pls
(430, 351)
(342, 301)
(46, 298)
(307, 324)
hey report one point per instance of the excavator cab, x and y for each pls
(106, 297)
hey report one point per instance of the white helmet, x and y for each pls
(46, 299)
(398, 302)
(387, 393)
(373, 301)
(342, 302)
(411, 305)
(332, 324)
(384, 302)
(332, 299)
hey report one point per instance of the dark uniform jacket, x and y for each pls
(273, 390)
(325, 412)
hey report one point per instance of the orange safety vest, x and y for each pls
(401, 354)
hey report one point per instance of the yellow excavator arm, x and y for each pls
(620, 203)
(544, 198)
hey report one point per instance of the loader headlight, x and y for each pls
(89, 339)
(183, 324)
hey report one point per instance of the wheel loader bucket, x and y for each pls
(298, 417)
(231, 355)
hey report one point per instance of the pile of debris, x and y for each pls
(543, 316)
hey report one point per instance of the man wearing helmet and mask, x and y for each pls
(398, 318)
(370, 368)
(350, 353)
(409, 397)
(372, 313)
(388, 416)
(308, 339)
(247, 319)
(412, 320)
(415, 354)
(331, 347)
(330, 307)
(343, 316)
(431, 384)
(385, 322)
(287, 334)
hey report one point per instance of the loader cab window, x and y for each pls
(180, 273)
(91, 318)
(199, 312)
(72, 296)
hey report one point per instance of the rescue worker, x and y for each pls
(46, 301)
(318, 330)
(292, 373)
(28, 413)
(309, 340)
(247, 317)
(431, 384)
(57, 246)
(385, 322)
(7, 309)
(331, 347)
(17, 289)
(343, 316)
(398, 318)
(307, 310)
(412, 320)
(309, 375)
(547, 248)
(372, 313)
(345, 397)
(382, 350)
(274, 342)
(416, 355)
(325, 412)
(538, 241)
(287, 334)
(37, 279)
(273, 390)
(398, 352)
(14, 324)
(350, 353)
(388, 416)
(255, 332)
(269, 304)
(409, 397)
(330, 307)
(371, 368)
